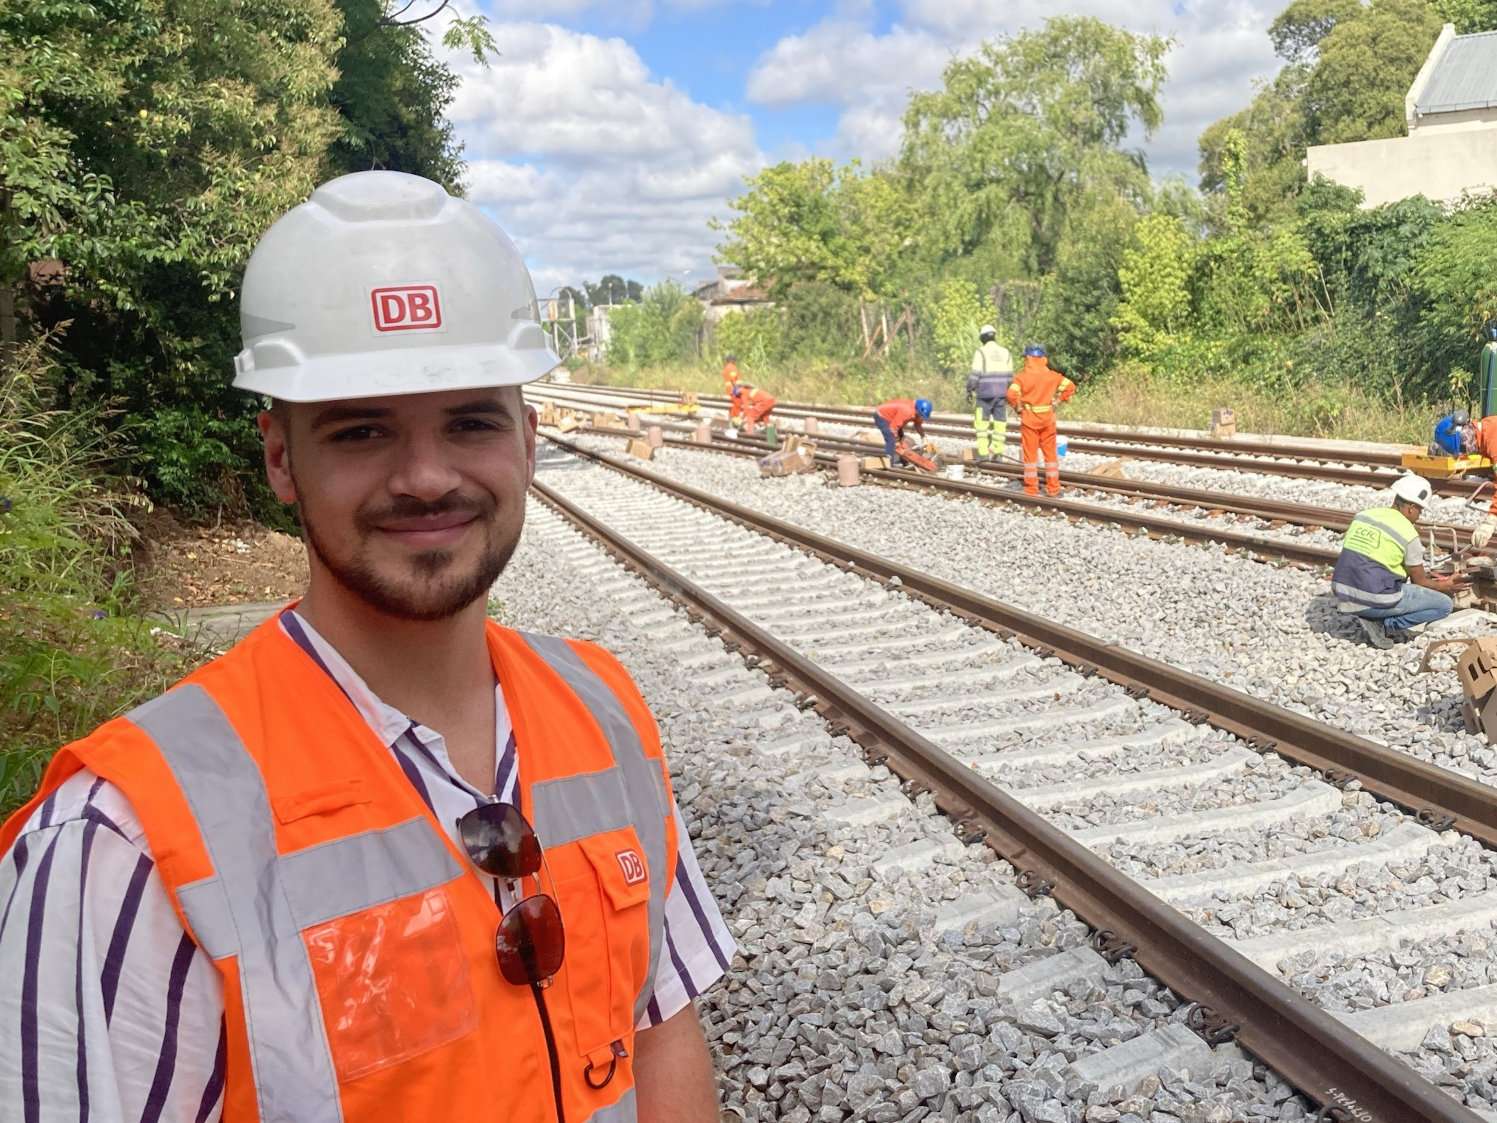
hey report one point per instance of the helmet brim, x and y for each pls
(381, 374)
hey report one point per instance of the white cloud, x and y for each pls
(1221, 47)
(591, 163)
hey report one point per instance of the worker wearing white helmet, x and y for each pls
(1380, 578)
(987, 385)
(383, 854)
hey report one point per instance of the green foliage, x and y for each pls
(755, 336)
(1021, 131)
(1457, 289)
(664, 327)
(1155, 305)
(145, 145)
(813, 222)
(957, 314)
(1468, 15)
(71, 655)
(613, 289)
(1365, 66)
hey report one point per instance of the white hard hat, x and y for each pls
(986, 329)
(1413, 489)
(382, 283)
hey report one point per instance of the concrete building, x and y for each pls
(730, 291)
(1451, 114)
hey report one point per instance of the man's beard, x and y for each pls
(426, 597)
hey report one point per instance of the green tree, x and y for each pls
(957, 314)
(613, 289)
(815, 222)
(1364, 70)
(1457, 289)
(1026, 126)
(662, 328)
(1300, 28)
(1469, 15)
(1155, 283)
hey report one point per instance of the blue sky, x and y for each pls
(606, 136)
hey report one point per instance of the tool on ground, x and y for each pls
(925, 458)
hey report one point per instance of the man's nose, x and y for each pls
(424, 470)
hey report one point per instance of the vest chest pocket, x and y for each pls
(385, 946)
(604, 898)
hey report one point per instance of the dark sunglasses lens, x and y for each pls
(499, 841)
(531, 942)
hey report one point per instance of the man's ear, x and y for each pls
(277, 447)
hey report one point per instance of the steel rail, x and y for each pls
(1304, 1044)
(1155, 525)
(1374, 457)
(1279, 462)
(1434, 794)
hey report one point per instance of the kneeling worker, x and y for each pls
(893, 416)
(750, 403)
(1380, 576)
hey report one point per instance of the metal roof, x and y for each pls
(1464, 78)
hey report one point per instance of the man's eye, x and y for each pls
(356, 433)
(475, 425)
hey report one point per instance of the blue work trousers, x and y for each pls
(888, 434)
(1416, 605)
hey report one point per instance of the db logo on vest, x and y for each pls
(406, 308)
(633, 867)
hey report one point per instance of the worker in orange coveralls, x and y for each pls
(1034, 392)
(750, 403)
(1481, 438)
(730, 374)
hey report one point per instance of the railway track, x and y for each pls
(1357, 467)
(1033, 736)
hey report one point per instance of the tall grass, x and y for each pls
(72, 651)
(1339, 410)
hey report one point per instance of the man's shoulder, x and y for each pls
(85, 797)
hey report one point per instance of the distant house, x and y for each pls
(1451, 149)
(730, 291)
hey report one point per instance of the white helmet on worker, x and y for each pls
(987, 331)
(1412, 489)
(382, 283)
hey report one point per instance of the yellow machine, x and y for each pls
(1442, 466)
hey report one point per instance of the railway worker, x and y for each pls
(1034, 392)
(750, 404)
(1453, 434)
(987, 388)
(270, 893)
(1482, 440)
(1380, 577)
(730, 374)
(894, 416)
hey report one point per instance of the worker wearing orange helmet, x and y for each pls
(751, 404)
(730, 373)
(1034, 392)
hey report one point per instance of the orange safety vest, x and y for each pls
(355, 941)
(898, 412)
(1034, 388)
(1486, 445)
(730, 375)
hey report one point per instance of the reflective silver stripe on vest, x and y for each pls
(1397, 536)
(293, 1068)
(630, 793)
(621, 1112)
(1363, 598)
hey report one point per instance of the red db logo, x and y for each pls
(634, 869)
(406, 308)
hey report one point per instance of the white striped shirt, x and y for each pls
(110, 1013)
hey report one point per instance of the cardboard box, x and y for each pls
(641, 450)
(969, 456)
(1112, 469)
(788, 462)
(1223, 423)
(1477, 668)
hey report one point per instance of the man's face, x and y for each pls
(414, 502)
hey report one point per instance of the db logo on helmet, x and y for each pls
(633, 867)
(406, 308)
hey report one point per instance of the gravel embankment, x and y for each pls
(844, 1003)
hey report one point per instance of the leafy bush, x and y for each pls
(664, 327)
(957, 313)
(71, 652)
(756, 337)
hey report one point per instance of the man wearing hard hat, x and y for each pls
(1380, 577)
(987, 390)
(384, 859)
